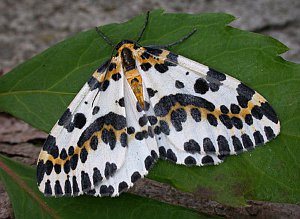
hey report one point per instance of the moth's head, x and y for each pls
(125, 43)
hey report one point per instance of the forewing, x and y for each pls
(86, 146)
(202, 111)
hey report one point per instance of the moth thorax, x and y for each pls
(128, 61)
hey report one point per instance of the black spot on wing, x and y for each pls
(171, 155)
(91, 192)
(151, 92)
(63, 154)
(189, 161)
(223, 145)
(135, 176)
(112, 66)
(123, 186)
(245, 94)
(57, 168)
(105, 85)
(191, 146)
(269, 132)
(68, 188)
(269, 112)
(71, 151)
(248, 119)
(150, 132)
(162, 152)
(130, 130)
(256, 112)
(258, 138)
(139, 136)
(97, 177)
(243, 101)
(143, 120)
(237, 144)
(75, 186)
(215, 79)
(235, 109)
(162, 68)
(48, 167)
(65, 118)
(157, 130)
(247, 142)
(94, 142)
(196, 114)
(225, 119)
(224, 109)
(83, 155)
(54, 152)
(108, 137)
(164, 105)
(153, 51)
(154, 154)
(172, 59)
(146, 66)
(93, 83)
(57, 188)
(152, 120)
(208, 146)
(212, 119)
(48, 189)
(237, 122)
(212, 73)
(164, 127)
(207, 160)
(106, 190)
(79, 120)
(179, 84)
(145, 134)
(110, 169)
(116, 76)
(40, 171)
(67, 167)
(96, 110)
(74, 161)
(177, 117)
(124, 139)
(85, 181)
(201, 86)
(50, 145)
(121, 102)
(149, 161)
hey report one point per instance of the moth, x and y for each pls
(143, 104)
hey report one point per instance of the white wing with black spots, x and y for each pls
(202, 111)
(141, 153)
(89, 142)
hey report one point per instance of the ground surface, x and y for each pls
(27, 27)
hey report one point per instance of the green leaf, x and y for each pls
(39, 90)
(28, 202)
